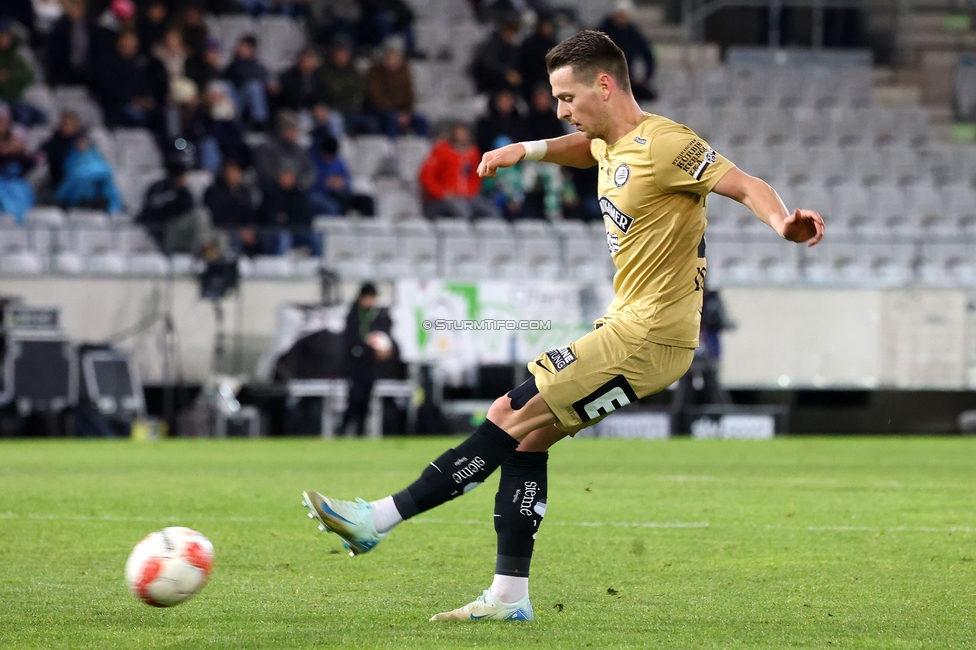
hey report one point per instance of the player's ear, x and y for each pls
(604, 82)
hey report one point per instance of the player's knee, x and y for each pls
(501, 412)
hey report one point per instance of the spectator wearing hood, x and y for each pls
(390, 95)
(15, 77)
(61, 142)
(16, 194)
(87, 181)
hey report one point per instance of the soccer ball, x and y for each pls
(169, 566)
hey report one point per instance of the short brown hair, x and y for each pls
(589, 53)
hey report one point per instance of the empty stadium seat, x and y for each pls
(947, 264)
(22, 263)
(149, 263)
(107, 263)
(13, 240)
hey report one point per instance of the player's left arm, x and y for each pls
(756, 194)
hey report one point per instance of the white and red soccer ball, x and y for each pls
(169, 566)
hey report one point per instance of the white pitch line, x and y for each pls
(579, 524)
(14, 515)
(878, 529)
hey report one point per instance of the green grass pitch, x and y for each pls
(797, 542)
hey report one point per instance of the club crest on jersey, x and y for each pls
(561, 357)
(620, 219)
(621, 175)
(695, 158)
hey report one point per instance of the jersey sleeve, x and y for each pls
(683, 162)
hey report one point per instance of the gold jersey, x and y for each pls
(652, 188)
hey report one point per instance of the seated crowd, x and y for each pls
(271, 140)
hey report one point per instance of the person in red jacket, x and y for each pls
(449, 178)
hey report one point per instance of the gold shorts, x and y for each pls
(605, 370)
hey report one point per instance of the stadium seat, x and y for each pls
(537, 249)
(411, 152)
(713, 87)
(69, 263)
(77, 99)
(47, 216)
(22, 263)
(343, 253)
(281, 38)
(136, 151)
(273, 266)
(372, 153)
(107, 263)
(418, 247)
(463, 256)
(149, 263)
(947, 264)
(134, 239)
(88, 241)
(13, 240)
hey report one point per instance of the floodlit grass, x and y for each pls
(854, 543)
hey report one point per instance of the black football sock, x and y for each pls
(519, 507)
(457, 471)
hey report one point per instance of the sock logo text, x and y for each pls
(469, 470)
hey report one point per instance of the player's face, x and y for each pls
(580, 104)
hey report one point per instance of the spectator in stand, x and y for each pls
(224, 137)
(532, 55)
(496, 61)
(286, 209)
(382, 19)
(60, 143)
(332, 192)
(250, 78)
(233, 204)
(121, 16)
(503, 118)
(71, 49)
(301, 84)
(542, 122)
(449, 178)
(133, 87)
(326, 122)
(15, 77)
(46, 14)
(16, 194)
(283, 152)
(152, 24)
(172, 53)
(21, 11)
(193, 28)
(640, 59)
(389, 94)
(344, 88)
(169, 212)
(87, 180)
(204, 67)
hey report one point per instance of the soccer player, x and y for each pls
(654, 178)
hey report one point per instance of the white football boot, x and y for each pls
(486, 607)
(350, 520)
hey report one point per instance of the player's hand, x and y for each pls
(507, 156)
(803, 226)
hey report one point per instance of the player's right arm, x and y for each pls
(571, 150)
